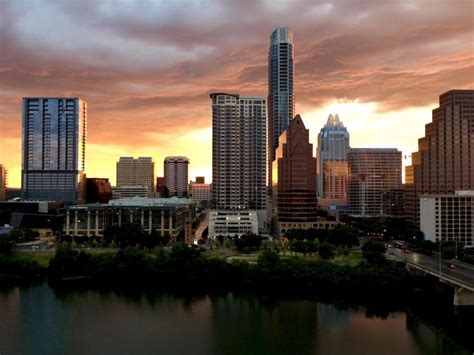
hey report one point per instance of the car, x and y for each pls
(452, 266)
(406, 251)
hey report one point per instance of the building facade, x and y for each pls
(444, 161)
(161, 189)
(54, 149)
(176, 175)
(294, 179)
(231, 223)
(166, 216)
(239, 153)
(375, 177)
(200, 192)
(98, 190)
(130, 191)
(136, 172)
(3, 182)
(333, 169)
(281, 99)
(448, 217)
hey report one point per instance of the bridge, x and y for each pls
(461, 278)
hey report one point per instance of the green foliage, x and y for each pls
(373, 251)
(327, 250)
(427, 247)
(248, 242)
(7, 242)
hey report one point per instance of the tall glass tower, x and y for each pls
(54, 149)
(281, 100)
(333, 145)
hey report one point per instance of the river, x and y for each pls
(40, 320)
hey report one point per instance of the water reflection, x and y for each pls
(40, 320)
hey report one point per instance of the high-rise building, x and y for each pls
(3, 182)
(54, 149)
(239, 152)
(333, 171)
(98, 190)
(281, 100)
(444, 162)
(176, 175)
(375, 179)
(294, 179)
(136, 173)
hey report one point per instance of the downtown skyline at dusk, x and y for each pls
(146, 70)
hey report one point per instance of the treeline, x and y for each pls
(188, 268)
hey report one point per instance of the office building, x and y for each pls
(281, 99)
(333, 170)
(54, 149)
(231, 223)
(167, 216)
(444, 162)
(3, 183)
(375, 177)
(176, 175)
(136, 172)
(200, 180)
(200, 192)
(294, 179)
(98, 190)
(239, 153)
(448, 217)
(119, 192)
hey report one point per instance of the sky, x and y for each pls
(146, 69)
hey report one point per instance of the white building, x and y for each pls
(176, 175)
(136, 173)
(229, 223)
(448, 217)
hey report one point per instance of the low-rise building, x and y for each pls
(230, 223)
(448, 217)
(322, 224)
(167, 216)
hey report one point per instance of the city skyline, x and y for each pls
(160, 74)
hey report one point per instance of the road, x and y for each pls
(463, 273)
(202, 226)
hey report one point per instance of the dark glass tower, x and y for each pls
(281, 100)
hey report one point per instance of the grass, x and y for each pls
(352, 259)
(41, 257)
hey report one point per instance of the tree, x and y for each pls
(248, 242)
(373, 251)
(326, 250)
(268, 259)
(7, 242)
(427, 247)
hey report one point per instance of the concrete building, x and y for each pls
(230, 223)
(176, 175)
(333, 169)
(3, 183)
(448, 217)
(119, 192)
(98, 190)
(239, 153)
(161, 189)
(200, 192)
(136, 172)
(375, 176)
(167, 216)
(200, 180)
(54, 149)
(294, 179)
(281, 99)
(444, 162)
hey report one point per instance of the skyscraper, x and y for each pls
(98, 190)
(239, 152)
(281, 100)
(176, 175)
(54, 149)
(3, 182)
(333, 145)
(375, 181)
(294, 179)
(444, 162)
(133, 173)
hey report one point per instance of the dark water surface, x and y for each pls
(38, 320)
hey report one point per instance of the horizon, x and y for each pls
(146, 73)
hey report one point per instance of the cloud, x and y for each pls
(148, 66)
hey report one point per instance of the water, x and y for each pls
(39, 320)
